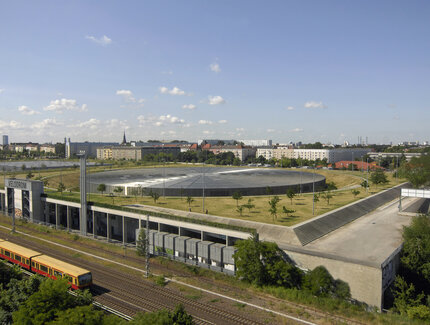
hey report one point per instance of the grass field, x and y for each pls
(227, 206)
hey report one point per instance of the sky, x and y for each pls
(307, 71)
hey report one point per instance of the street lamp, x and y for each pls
(313, 192)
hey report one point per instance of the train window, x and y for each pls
(7, 253)
(43, 268)
(57, 274)
(18, 258)
(33, 264)
(27, 261)
(68, 277)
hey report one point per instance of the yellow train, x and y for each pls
(45, 265)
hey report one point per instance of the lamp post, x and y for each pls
(367, 176)
(313, 192)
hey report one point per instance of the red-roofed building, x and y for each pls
(357, 165)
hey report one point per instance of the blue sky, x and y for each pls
(307, 71)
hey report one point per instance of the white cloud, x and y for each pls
(189, 106)
(46, 123)
(27, 111)
(312, 104)
(205, 122)
(208, 132)
(104, 40)
(296, 130)
(169, 72)
(216, 100)
(215, 67)
(170, 119)
(290, 108)
(9, 124)
(116, 124)
(270, 130)
(128, 97)
(91, 124)
(60, 105)
(174, 91)
(222, 121)
(1, 90)
(240, 129)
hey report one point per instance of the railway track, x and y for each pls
(163, 269)
(130, 294)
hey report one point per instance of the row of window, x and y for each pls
(17, 257)
(38, 266)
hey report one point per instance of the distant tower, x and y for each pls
(5, 140)
(124, 140)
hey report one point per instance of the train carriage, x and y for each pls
(47, 266)
(55, 269)
(17, 254)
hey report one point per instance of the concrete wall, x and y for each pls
(364, 281)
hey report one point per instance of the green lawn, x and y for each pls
(227, 206)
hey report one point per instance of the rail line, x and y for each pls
(132, 294)
(312, 311)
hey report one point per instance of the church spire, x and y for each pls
(124, 140)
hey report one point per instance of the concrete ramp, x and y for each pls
(313, 229)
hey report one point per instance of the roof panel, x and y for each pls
(18, 249)
(60, 265)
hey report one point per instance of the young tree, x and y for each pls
(61, 187)
(378, 177)
(327, 195)
(45, 182)
(141, 243)
(237, 196)
(101, 188)
(364, 184)
(291, 194)
(355, 192)
(287, 211)
(118, 190)
(189, 201)
(274, 206)
(249, 205)
(331, 186)
(155, 196)
(240, 209)
(29, 174)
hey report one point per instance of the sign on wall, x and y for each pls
(18, 184)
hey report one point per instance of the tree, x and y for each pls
(291, 194)
(327, 195)
(29, 174)
(378, 177)
(319, 282)
(45, 305)
(118, 190)
(415, 257)
(189, 201)
(249, 205)
(164, 317)
(355, 192)
(155, 196)
(248, 263)
(240, 209)
(262, 263)
(61, 187)
(269, 190)
(405, 296)
(331, 186)
(287, 211)
(237, 196)
(101, 188)
(274, 206)
(45, 182)
(364, 184)
(141, 243)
